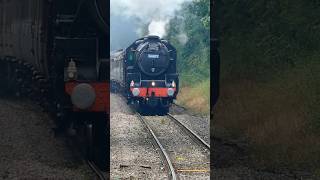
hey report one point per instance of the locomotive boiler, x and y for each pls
(146, 73)
(57, 53)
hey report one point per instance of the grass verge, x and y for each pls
(280, 117)
(196, 98)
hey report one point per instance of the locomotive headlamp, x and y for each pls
(83, 96)
(132, 83)
(153, 83)
(170, 92)
(135, 92)
(173, 84)
(71, 75)
(72, 70)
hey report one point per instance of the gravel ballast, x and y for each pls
(188, 157)
(133, 155)
(199, 125)
(28, 148)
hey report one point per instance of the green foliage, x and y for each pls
(261, 39)
(273, 46)
(201, 8)
(189, 32)
(267, 36)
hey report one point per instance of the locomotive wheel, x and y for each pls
(100, 141)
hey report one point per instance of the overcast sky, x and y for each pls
(123, 32)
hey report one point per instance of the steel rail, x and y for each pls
(96, 170)
(164, 154)
(191, 133)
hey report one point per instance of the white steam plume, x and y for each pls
(157, 28)
(156, 14)
(183, 38)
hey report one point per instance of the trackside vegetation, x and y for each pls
(189, 32)
(270, 81)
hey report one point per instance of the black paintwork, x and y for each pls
(134, 65)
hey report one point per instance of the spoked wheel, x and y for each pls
(98, 142)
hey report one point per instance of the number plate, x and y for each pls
(153, 56)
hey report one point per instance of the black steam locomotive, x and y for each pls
(146, 73)
(57, 53)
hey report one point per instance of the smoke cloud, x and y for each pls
(157, 28)
(155, 14)
(182, 38)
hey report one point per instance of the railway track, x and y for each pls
(86, 154)
(176, 169)
(165, 156)
(190, 132)
(86, 160)
(179, 106)
(96, 170)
